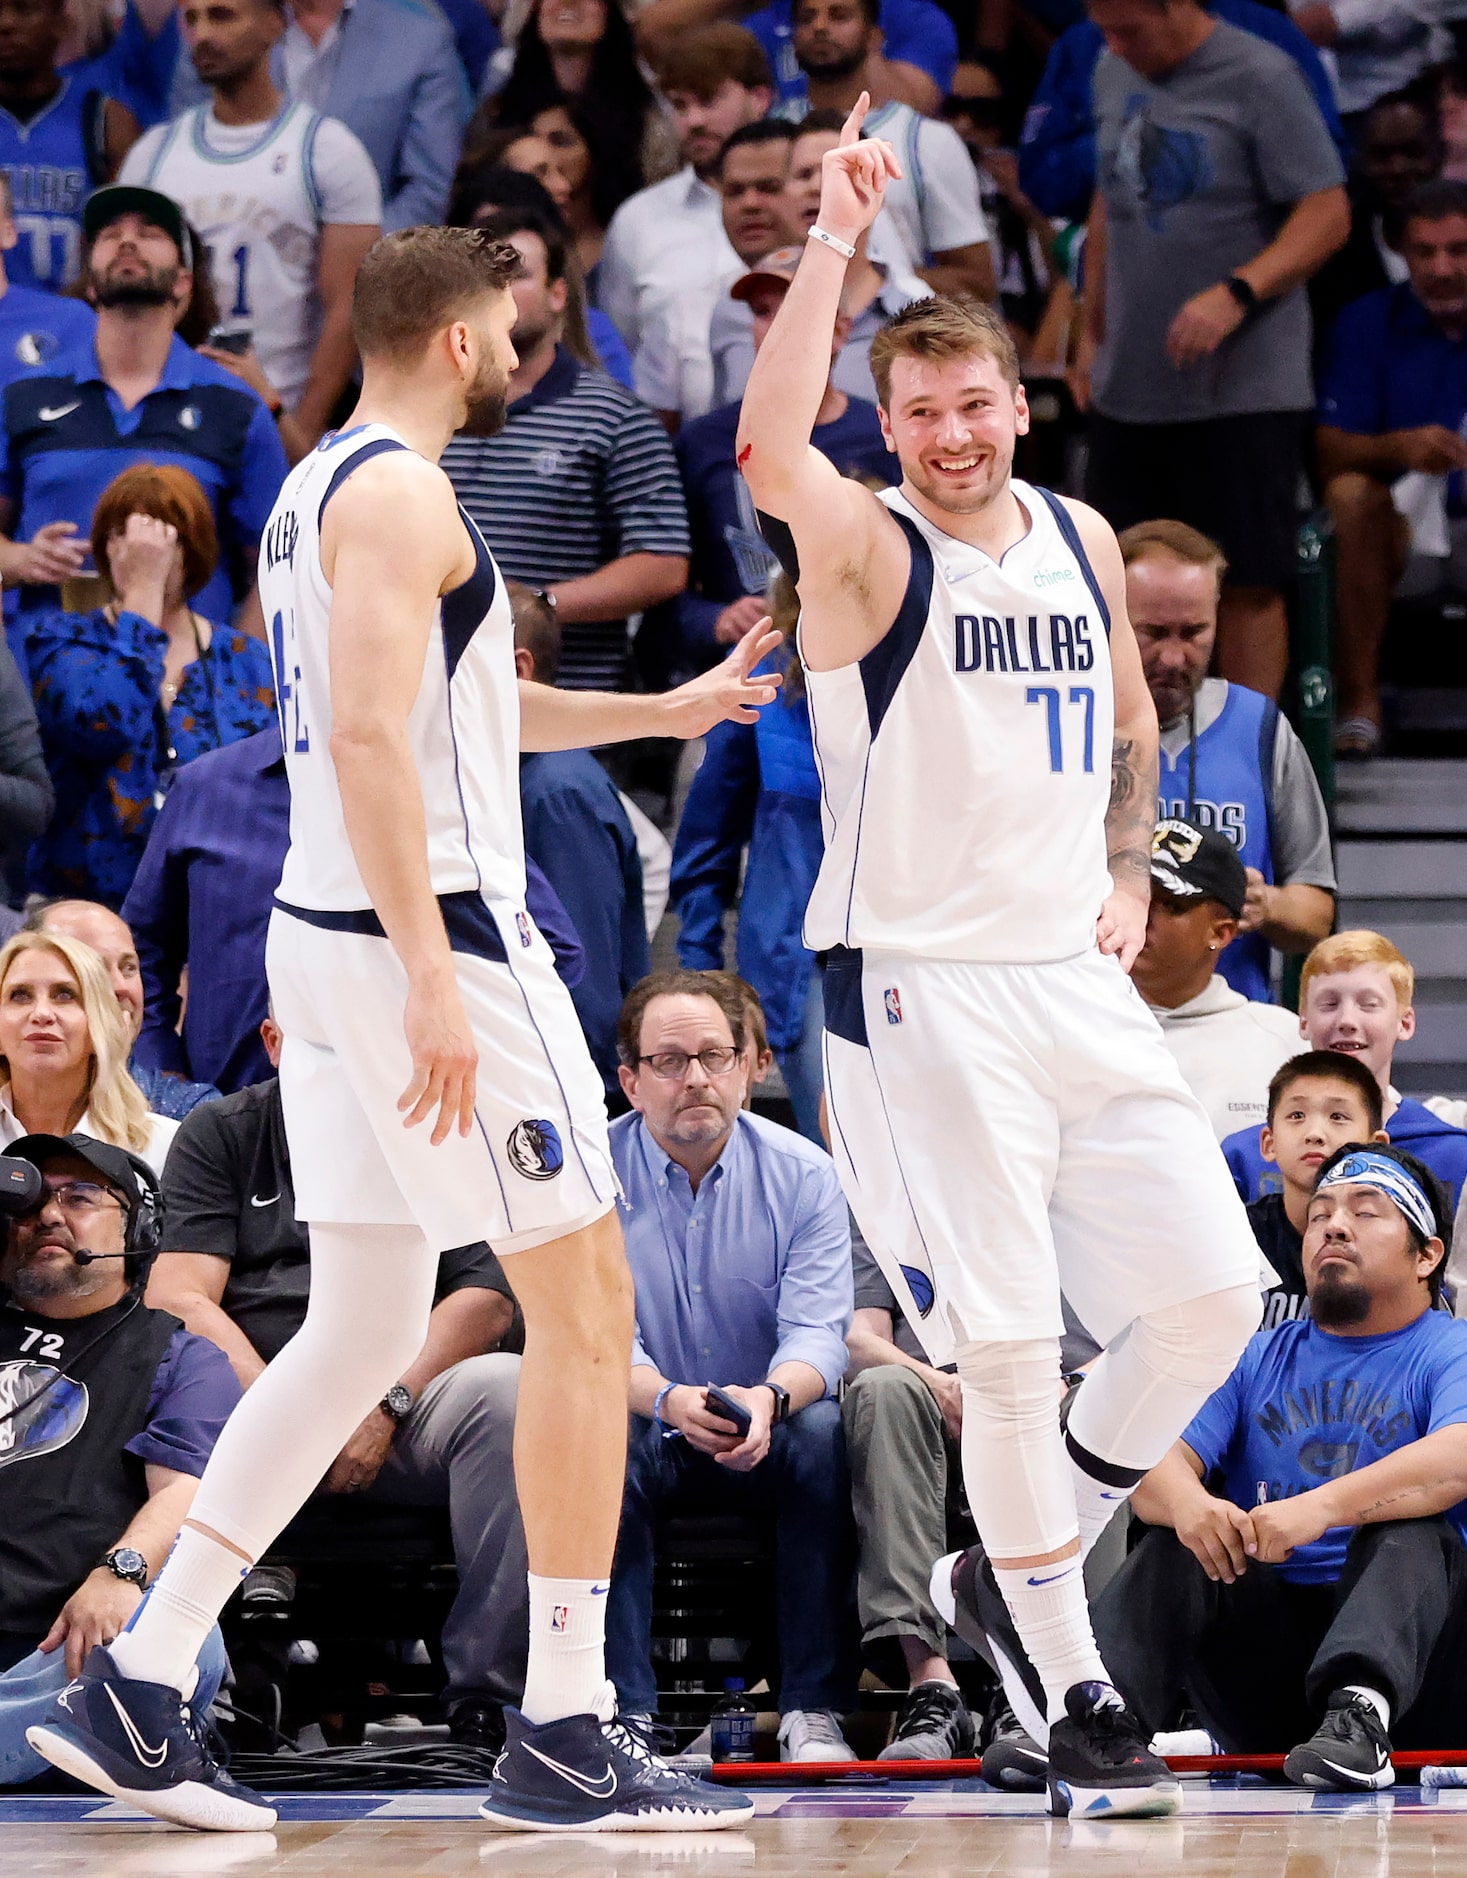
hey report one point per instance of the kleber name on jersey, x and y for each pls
(990, 644)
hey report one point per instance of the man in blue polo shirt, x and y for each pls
(141, 397)
(1393, 394)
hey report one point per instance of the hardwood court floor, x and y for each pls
(920, 1831)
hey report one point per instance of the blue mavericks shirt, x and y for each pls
(52, 164)
(37, 328)
(1306, 1406)
(1231, 790)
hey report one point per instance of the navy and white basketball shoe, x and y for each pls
(140, 1742)
(585, 1775)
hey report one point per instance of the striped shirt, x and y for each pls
(581, 474)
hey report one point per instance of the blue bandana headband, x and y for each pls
(1387, 1177)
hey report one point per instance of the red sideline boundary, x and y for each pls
(799, 1773)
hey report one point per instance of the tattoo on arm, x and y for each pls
(1131, 818)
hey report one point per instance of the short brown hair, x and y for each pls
(415, 282)
(1324, 1066)
(169, 494)
(535, 628)
(1344, 951)
(944, 327)
(677, 984)
(702, 62)
(1178, 539)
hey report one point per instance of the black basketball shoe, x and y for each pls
(140, 1742)
(967, 1598)
(1012, 1760)
(585, 1775)
(1349, 1751)
(1100, 1761)
(935, 1726)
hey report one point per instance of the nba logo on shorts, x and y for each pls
(893, 1004)
(527, 937)
(559, 1616)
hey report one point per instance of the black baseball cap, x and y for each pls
(115, 1165)
(104, 206)
(1193, 863)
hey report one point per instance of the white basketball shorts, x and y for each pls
(1005, 1132)
(537, 1163)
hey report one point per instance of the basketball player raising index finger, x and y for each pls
(436, 1086)
(1004, 1114)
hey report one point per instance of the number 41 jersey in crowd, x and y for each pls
(965, 760)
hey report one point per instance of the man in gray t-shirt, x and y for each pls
(1219, 194)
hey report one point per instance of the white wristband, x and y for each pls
(832, 241)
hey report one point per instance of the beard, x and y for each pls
(1338, 1303)
(820, 62)
(486, 403)
(40, 1284)
(153, 287)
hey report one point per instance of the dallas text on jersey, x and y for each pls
(989, 644)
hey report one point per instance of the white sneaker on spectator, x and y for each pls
(813, 1734)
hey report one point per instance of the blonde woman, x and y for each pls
(63, 1051)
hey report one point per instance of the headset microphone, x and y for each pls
(83, 1257)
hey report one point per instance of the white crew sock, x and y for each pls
(1374, 1696)
(371, 1295)
(1051, 1614)
(566, 1674)
(1096, 1505)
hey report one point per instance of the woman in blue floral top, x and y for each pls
(127, 694)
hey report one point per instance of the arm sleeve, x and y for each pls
(343, 177)
(1301, 823)
(193, 1394)
(471, 1268)
(1352, 378)
(816, 1288)
(952, 211)
(429, 150)
(716, 824)
(156, 908)
(26, 796)
(642, 490)
(202, 1191)
(1295, 152)
(1057, 144)
(95, 686)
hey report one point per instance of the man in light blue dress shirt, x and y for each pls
(739, 1244)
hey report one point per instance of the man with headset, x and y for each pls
(108, 1413)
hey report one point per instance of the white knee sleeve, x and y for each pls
(1153, 1379)
(1014, 1464)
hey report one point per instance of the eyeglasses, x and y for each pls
(672, 1065)
(80, 1196)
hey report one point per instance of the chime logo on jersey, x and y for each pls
(893, 1004)
(527, 937)
(37, 1413)
(535, 1150)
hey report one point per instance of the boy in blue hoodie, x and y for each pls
(1355, 998)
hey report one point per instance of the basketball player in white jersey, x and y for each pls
(436, 1086)
(1004, 1114)
(287, 201)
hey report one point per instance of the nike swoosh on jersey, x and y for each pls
(255, 1200)
(599, 1789)
(150, 1757)
(49, 413)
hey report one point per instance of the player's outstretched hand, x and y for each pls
(445, 1060)
(1121, 928)
(853, 177)
(728, 692)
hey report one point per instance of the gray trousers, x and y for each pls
(455, 1449)
(899, 1460)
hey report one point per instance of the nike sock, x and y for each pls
(566, 1674)
(169, 1627)
(1375, 1698)
(371, 1295)
(1096, 1504)
(1052, 1616)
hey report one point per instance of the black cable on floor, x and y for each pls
(366, 1770)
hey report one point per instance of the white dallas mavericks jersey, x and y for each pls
(464, 728)
(258, 207)
(965, 761)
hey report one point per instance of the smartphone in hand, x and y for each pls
(722, 1404)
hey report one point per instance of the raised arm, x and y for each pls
(851, 552)
(391, 543)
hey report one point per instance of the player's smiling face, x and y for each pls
(952, 423)
(1357, 1013)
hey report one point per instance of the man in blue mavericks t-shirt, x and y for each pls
(1303, 1582)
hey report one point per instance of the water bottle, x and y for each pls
(733, 1724)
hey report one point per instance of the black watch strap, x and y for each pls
(1243, 292)
(781, 1402)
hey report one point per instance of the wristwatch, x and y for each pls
(781, 1402)
(127, 1564)
(397, 1403)
(1243, 292)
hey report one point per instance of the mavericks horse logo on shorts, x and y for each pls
(535, 1150)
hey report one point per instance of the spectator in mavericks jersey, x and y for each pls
(1228, 759)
